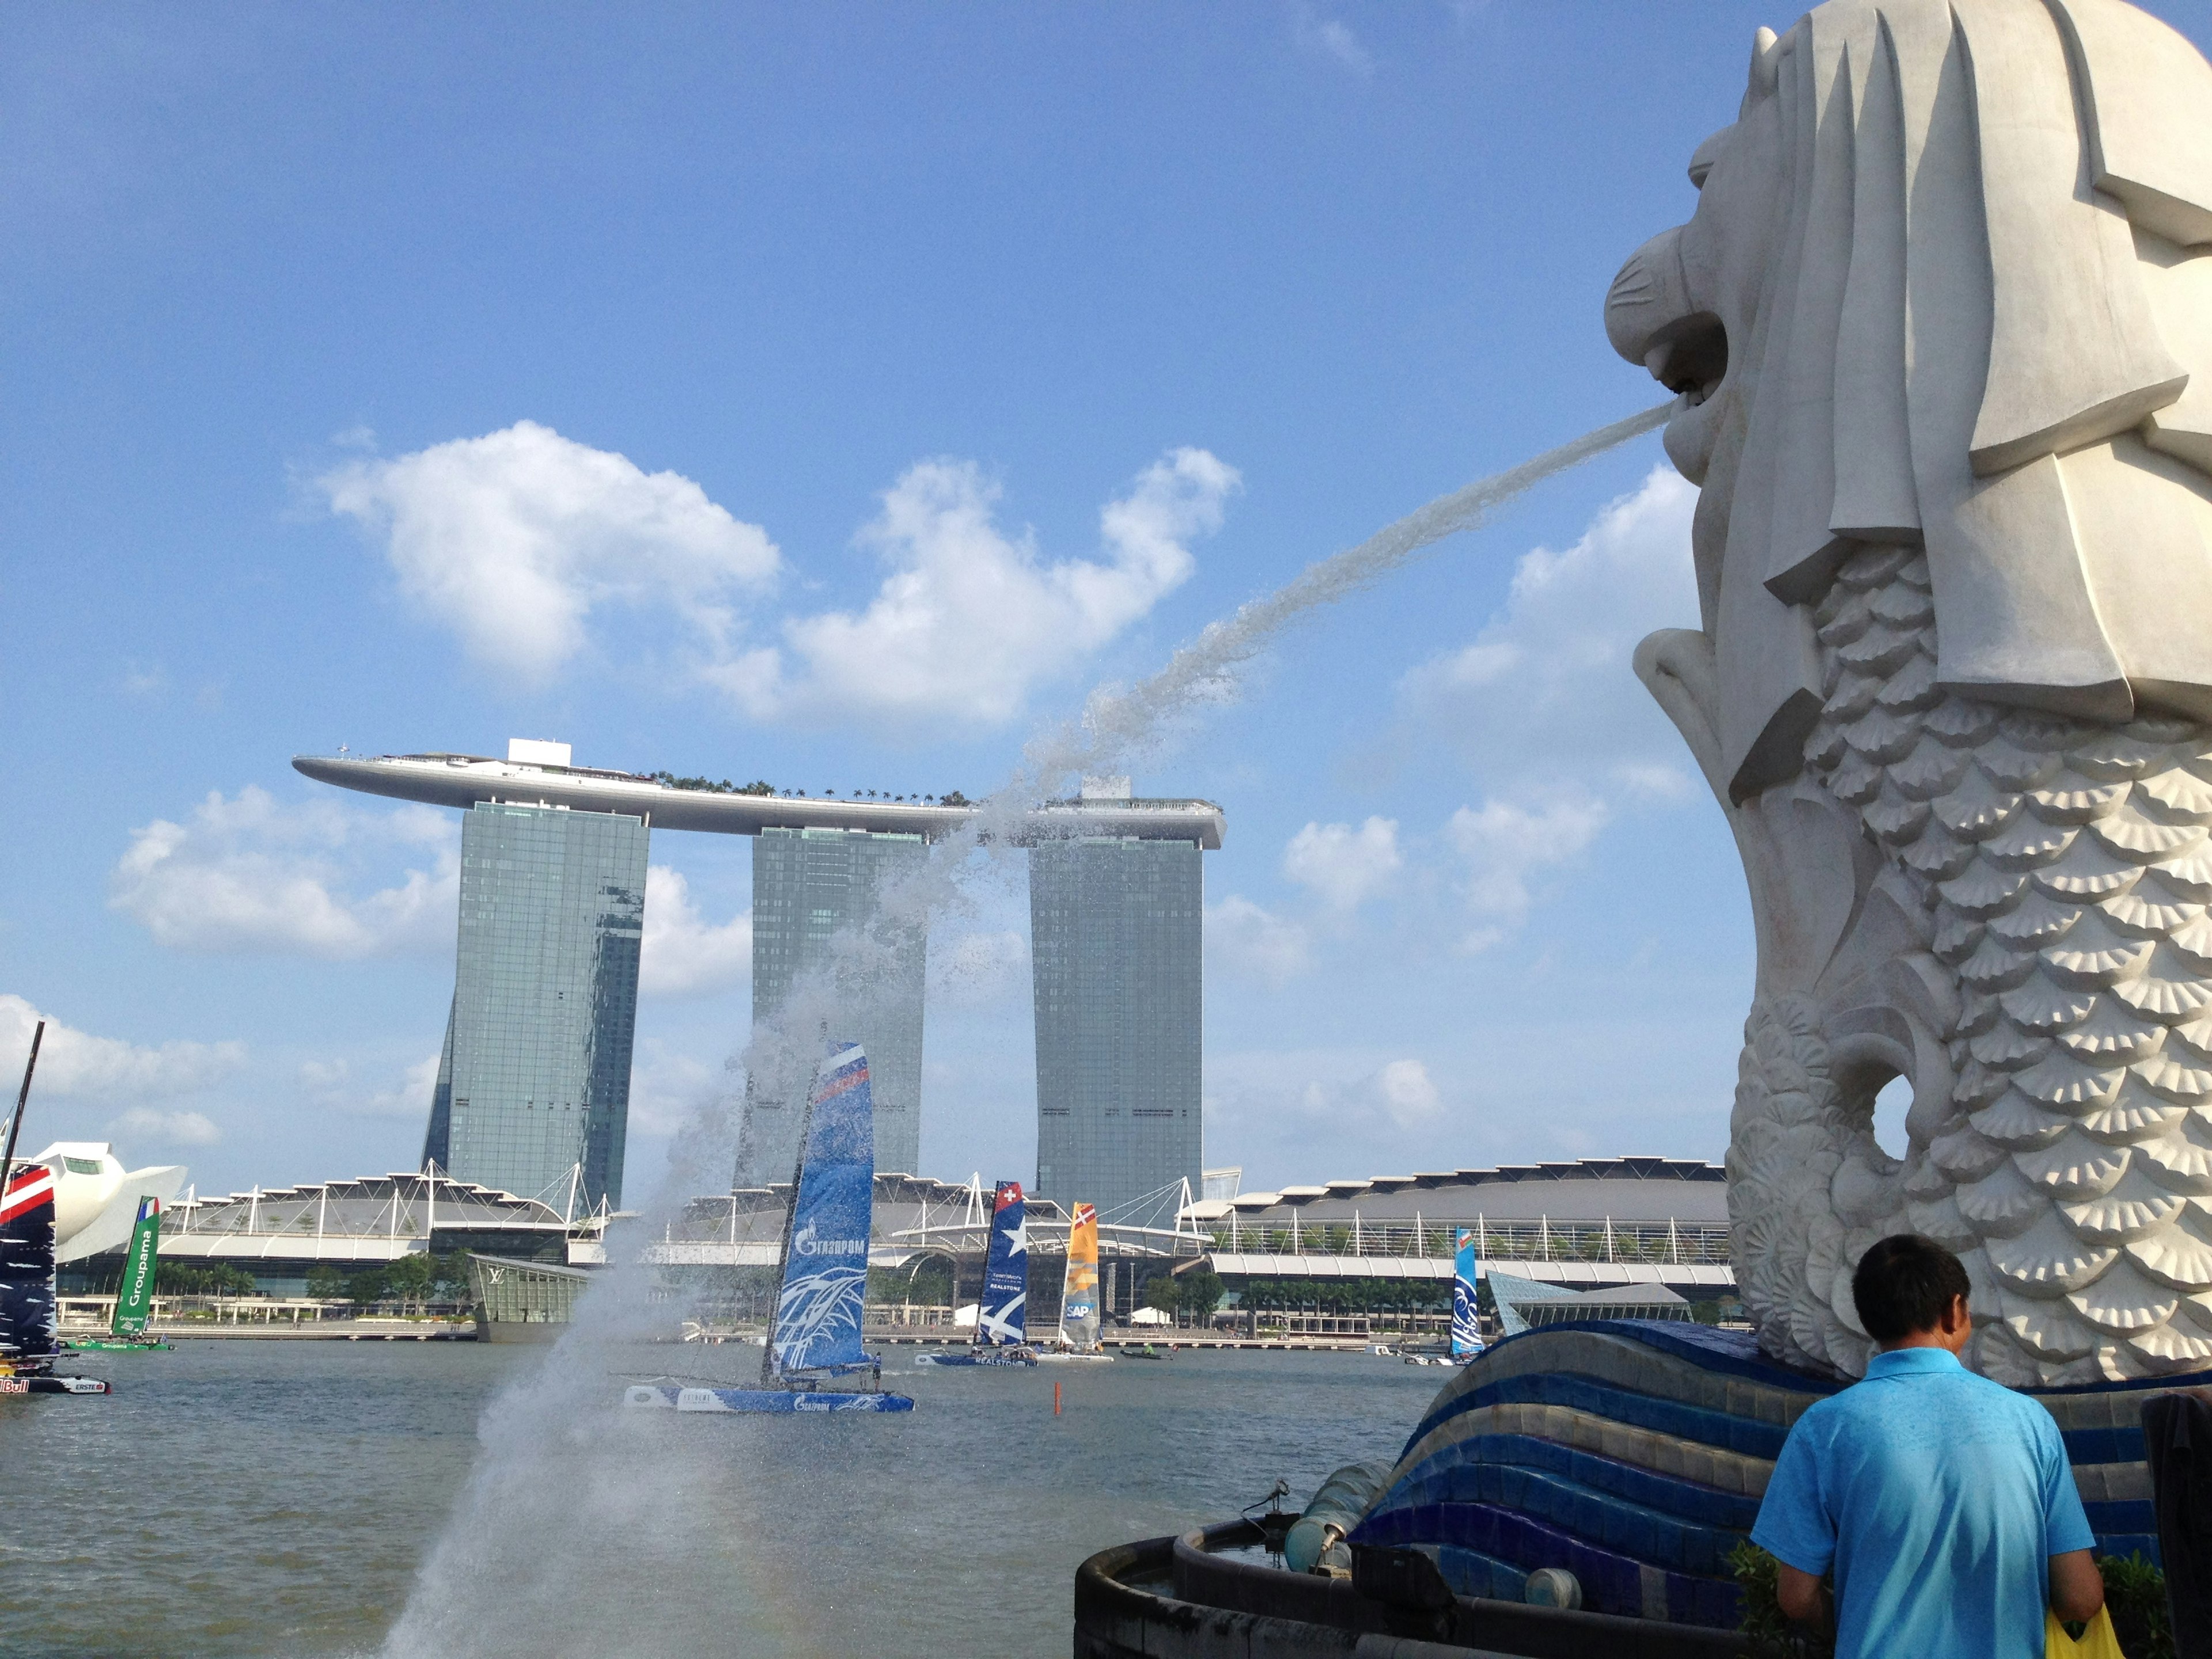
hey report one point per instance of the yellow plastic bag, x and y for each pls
(2098, 1640)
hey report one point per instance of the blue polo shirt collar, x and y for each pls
(1907, 1362)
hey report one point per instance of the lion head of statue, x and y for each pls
(1948, 284)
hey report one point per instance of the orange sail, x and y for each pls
(1079, 1301)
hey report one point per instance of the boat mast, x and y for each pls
(791, 1219)
(23, 1099)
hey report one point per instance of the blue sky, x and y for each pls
(834, 395)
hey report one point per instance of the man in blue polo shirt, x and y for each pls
(1944, 1502)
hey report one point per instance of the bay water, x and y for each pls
(279, 1497)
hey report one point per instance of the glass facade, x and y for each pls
(535, 1077)
(808, 885)
(1117, 948)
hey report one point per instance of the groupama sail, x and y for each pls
(826, 1259)
(134, 1301)
(1000, 1317)
(1079, 1301)
(1466, 1332)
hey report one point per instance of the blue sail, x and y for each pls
(1466, 1332)
(825, 1271)
(999, 1317)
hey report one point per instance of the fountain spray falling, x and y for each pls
(583, 1528)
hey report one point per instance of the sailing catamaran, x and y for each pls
(134, 1297)
(28, 1345)
(1000, 1322)
(1078, 1292)
(1466, 1329)
(814, 1333)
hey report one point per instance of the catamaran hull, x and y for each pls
(1071, 1358)
(976, 1359)
(115, 1345)
(773, 1402)
(54, 1385)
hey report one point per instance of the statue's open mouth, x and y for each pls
(1690, 357)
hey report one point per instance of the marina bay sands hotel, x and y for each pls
(532, 1094)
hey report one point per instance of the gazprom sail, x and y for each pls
(1466, 1330)
(825, 1265)
(816, 1330)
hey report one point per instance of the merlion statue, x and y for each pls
(1941, 328)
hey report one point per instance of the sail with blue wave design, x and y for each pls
(825, 1264)
(1466, 1331)
(1000, 1317)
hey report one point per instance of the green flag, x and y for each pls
(137, 1300)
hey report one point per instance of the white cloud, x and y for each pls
(1327, 37)
(1344, 866)
(1250, 941)
(518, 539)
(684, 954)
(513, 538)
(1504, 843)
(248, 875)
(408, 1100)
(1547, 686)
(1320, 1115)
(172, 1128)
(969, 621)
(979, 969)
(323, 1075)
(1398, 1096)
(668, 1091)
(76, 1065)
(1404, 1095)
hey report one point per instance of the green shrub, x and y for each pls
(2135, 1592)
(1773, 1633)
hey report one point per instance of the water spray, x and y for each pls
(552, 1447)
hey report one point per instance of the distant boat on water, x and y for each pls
(1078, 1292)
(1466, 1326)
(1001, 1314)
(814, 1333)
(134, 1297)
(28, 1309)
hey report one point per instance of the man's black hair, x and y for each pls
(1905, 1283)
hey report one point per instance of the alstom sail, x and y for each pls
(1078, 1291)
(27, 1307)
(1466, 1328)
(1001, 1321)
(814, 1333)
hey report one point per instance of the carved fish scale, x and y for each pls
(2065, 870)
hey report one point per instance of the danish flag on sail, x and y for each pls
(27, 1265)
